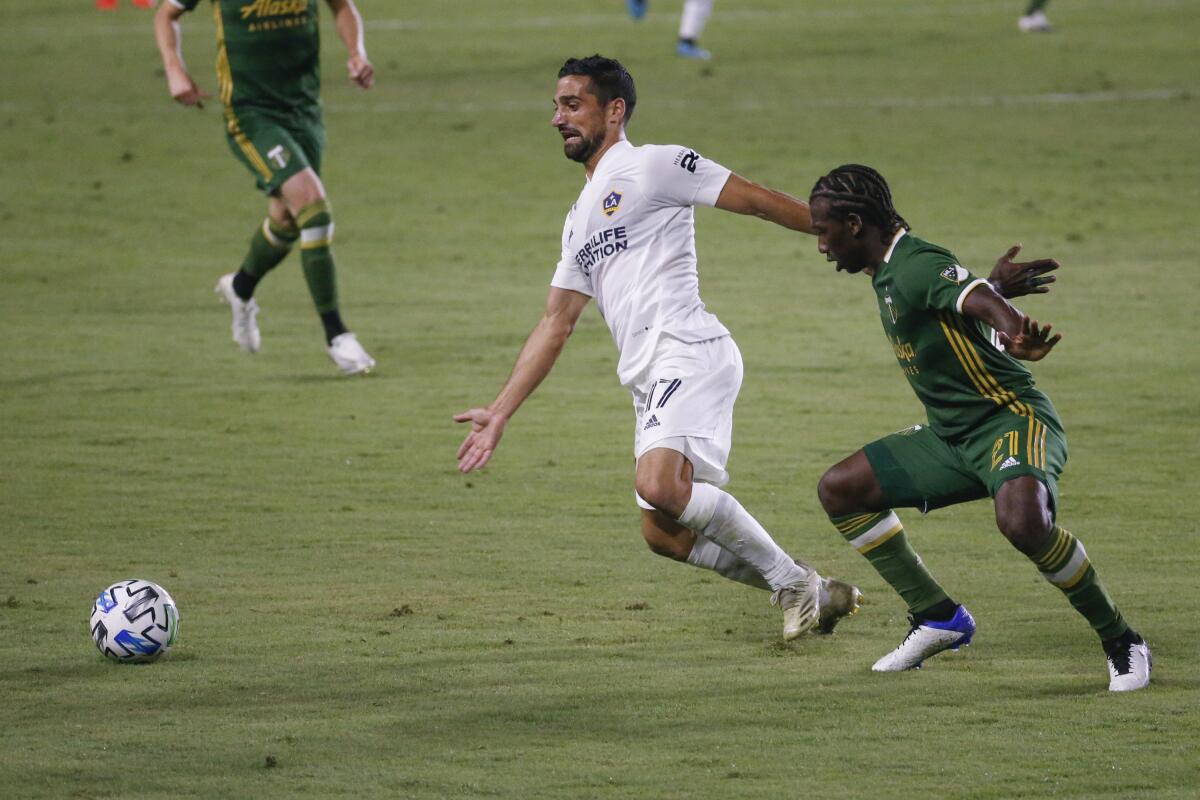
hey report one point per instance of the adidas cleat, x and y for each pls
(245, 315)
(928, 638)
(637, 8)
(838, 601)
(1129, 663)
(801, 604)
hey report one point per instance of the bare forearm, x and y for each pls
(166, 35)
(783, 209)
(746, 197)
(986, 305)
(536, 359)
(349, 26)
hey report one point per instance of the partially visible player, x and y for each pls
(691, 24)
(1034, 19)
(990, 432)
(629, 241)
(111, 5)
(268, 78)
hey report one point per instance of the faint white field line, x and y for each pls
(459, 18)
(750, 104)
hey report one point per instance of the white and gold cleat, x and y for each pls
(838, 601)
(801, 605)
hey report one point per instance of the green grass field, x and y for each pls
(359, 620)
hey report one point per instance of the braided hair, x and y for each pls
(855, 189)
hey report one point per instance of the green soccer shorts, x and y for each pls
(275, 147)
(919, 469)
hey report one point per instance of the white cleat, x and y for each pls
(928, 638)
(1034, 23)
(245, 315)
(801, 604)
(1129, 664)
(349, 355)
(838, 601)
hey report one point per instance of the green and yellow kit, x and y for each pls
(987, 423)
(269, 80)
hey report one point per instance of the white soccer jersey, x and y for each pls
(630, 242)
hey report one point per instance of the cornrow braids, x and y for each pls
(854, 188)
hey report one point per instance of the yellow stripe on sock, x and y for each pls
(1058, 550)
(845, 526)
(311, 210)
(1077, 577)
(869, 546)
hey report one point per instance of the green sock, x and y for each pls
(1064, 563)
(1035, 6)
(316, 255)
(269, 245)
(880, 537)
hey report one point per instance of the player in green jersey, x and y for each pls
(990, 431)
(268, 77)
(1034, 19)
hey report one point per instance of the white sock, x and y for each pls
(694, 17)
(717, 516)
(708, 554)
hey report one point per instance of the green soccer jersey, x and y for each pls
(267, 54)
(952, 362)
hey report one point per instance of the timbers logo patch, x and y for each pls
(954, 273)
(612, 203)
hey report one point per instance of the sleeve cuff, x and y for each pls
(958, 305)
(574, 286)
(710, 192)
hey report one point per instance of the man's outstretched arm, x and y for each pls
(349, 26)
(1012, 279)
(166, 35)
(1022, 337)
(746, 197)
(536, 359)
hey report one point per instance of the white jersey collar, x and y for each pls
(619, 144)
(895, 241)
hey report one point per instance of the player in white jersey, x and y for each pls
(629, 242)
(692, 20)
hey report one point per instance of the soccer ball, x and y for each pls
(134, 621)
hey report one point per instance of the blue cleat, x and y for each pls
(928, 638)
(637, 8)
(689, 49)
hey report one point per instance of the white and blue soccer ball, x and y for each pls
(134, 620)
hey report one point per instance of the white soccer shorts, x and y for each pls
(686, 404)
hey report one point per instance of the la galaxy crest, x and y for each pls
(612, 203)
